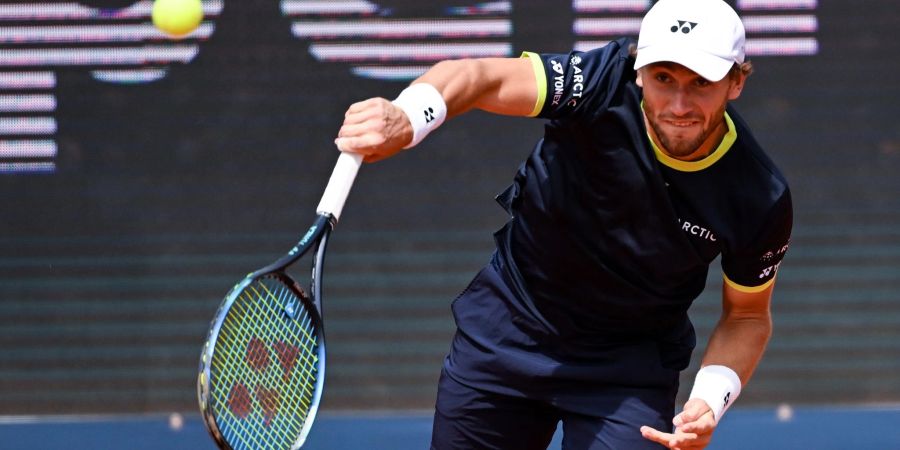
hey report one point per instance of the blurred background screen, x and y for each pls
(141, 176)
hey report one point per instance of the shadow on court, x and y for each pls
(847, 428)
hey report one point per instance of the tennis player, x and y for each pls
(645, 174)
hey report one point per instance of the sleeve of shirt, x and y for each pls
(753, 269)
(577, 83)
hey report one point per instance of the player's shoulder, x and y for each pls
(613, 53)
(753, 152)
(579, 85)
(769, 198)
(616, 54)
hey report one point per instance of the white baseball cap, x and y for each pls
(706, 36)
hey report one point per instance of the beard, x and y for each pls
(680, 146)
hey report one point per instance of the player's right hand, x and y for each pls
(374, 128)
(694, 427)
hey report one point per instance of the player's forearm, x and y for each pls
(739, 341)
(378, 128)
(497, 85)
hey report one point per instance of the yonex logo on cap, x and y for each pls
(683, 25)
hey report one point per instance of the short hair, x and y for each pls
(745, 68)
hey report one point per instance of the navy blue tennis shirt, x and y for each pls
(610, 241)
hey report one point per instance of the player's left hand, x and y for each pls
(694, 427)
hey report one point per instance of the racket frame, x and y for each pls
(328, 213)
(315, 238)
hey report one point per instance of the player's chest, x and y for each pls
(703, 220)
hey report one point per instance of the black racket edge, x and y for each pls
(316, 237)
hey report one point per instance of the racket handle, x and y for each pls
(339, 185)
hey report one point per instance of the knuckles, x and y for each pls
(372, 127)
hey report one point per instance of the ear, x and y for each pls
(639, 80)
(736, 86)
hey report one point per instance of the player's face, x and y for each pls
(684, 111)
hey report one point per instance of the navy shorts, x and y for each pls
(500, 388)
(466, 418)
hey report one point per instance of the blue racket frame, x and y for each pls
(315, 238)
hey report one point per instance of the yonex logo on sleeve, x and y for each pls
(557, 66)
(685, 26)
(769, 271)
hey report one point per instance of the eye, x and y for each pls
(662, 77)
(703, 82)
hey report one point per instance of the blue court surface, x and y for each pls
(844, 428)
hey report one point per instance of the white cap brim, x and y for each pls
(708, 66)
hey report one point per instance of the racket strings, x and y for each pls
(265, 369)
(268, 399)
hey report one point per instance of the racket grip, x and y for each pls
(339, 185)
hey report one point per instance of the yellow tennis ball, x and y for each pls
(177, 18)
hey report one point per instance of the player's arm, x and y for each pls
(743, 331)
(737, 343)
(379, 128)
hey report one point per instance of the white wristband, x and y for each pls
(425, 108)
(718, 386)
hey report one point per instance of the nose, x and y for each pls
(681, 103)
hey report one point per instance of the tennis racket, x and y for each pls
(262, 369)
